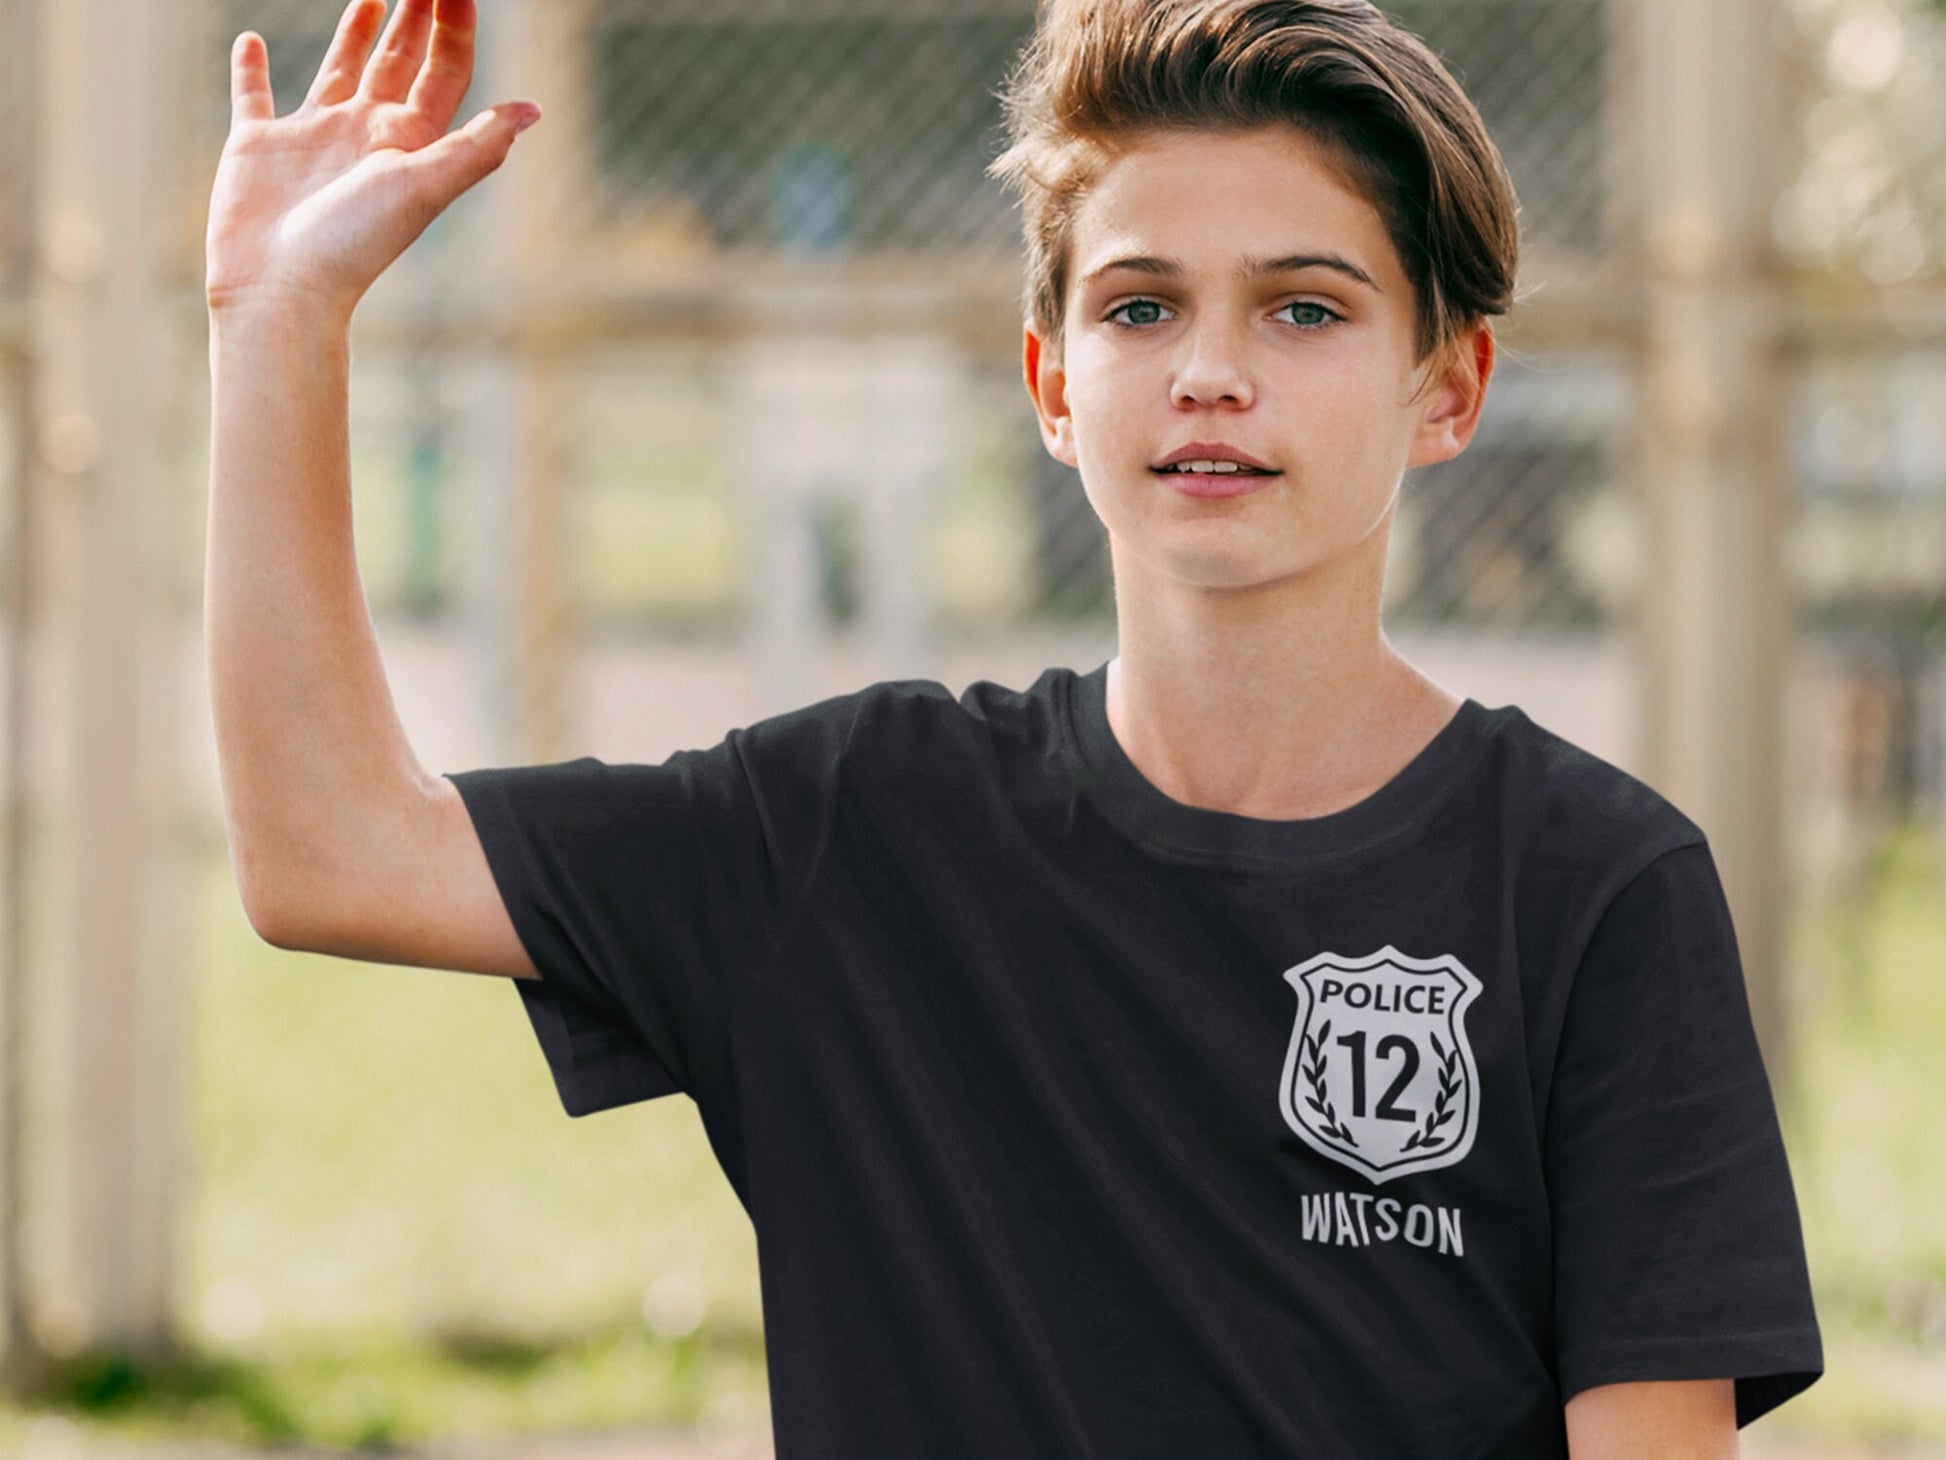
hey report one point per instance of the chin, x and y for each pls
(1214, 571)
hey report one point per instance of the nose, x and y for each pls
(1212, 369)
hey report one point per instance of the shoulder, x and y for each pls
(1569, 811)
(1586, 846)
(891, 723)
(922, 711)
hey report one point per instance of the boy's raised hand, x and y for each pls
(311, 208)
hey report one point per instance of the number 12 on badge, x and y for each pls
(1380, 1074)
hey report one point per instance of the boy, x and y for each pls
(1246, 1048)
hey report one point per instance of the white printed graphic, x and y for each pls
(1380, 1074)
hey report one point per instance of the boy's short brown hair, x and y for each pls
(1099, 72)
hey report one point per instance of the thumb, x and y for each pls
(459, 159)
(510, 117)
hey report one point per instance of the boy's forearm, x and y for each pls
(308, 740)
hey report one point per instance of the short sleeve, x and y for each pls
(1678, 1252)
(650, 896)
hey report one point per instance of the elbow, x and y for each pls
(265, 908)
(300, 916)
(267, 921)
(301, 899)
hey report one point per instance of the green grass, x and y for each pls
(392, 1227)
(377, 1390)
(1865, 1124)
(394, 1232)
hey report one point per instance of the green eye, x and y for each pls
(1328, 315)
(1137, 304)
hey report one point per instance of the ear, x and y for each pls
(1451, 412)
(1047, 384)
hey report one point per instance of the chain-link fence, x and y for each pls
(1863, 224)
(705, 150)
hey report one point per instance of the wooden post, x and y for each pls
(18, 594)
(22, 630)
(1713, 476)
(103, 346)
(523, 225)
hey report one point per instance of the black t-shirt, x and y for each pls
(1076, 1121)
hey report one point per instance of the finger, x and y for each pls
(448, 71)
(250, 97)
(401, 51)
(338, 73)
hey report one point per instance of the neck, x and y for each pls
(1279, 702)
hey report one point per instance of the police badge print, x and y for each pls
(1380, 1077)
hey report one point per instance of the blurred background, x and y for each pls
(708, 404)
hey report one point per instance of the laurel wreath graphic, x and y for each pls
(1427, 1137)
(1315, 1064)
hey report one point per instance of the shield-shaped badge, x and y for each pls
(1380, 1075)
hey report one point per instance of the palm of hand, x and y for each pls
(322, 201)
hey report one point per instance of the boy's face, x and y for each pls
(1306, 369)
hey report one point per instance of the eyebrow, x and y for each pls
(1163, 268)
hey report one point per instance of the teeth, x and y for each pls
(1220, 468)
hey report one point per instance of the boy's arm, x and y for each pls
(341, 842)
(339, 838)
(1680, 1420)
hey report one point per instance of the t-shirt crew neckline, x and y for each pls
(1127, 798)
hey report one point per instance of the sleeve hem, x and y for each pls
(1769, 1366)
(593, 1067)
(588, 1081)
(508, 860)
